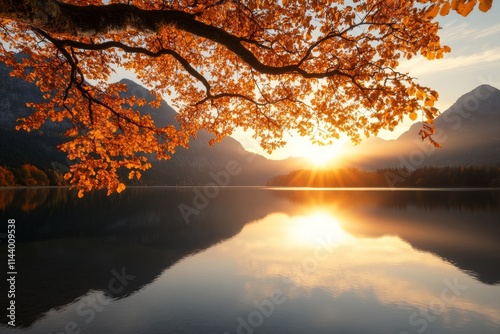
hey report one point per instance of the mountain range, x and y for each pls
(469, 132)
(194, 166)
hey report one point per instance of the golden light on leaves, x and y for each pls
(463, 7)
(433, 11)
(445, 9)
(485, 5)
(134, 174)
(313, 67)
(120, 187)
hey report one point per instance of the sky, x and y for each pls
(474, 60)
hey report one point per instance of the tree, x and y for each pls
(317, 67)
(30, 175)
(7, 179)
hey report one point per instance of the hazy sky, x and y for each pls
(474, 60)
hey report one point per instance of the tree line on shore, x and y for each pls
(471, 176)
(30, 175)
(447, 177)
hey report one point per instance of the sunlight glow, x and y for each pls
(319, 159)
(320, 156)
(319, 226)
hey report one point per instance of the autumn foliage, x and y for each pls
(7, 179)
(316, 67)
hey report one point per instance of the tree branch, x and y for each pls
(58, 18)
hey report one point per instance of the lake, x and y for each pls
(254, 260)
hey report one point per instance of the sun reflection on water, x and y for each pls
(336, 254)
(307, 230)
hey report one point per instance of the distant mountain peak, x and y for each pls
(483, 87)
(481, 98)
(469, 132)
(481, 92)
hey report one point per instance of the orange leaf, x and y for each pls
(445, 9)
(485, 5)
(432, 11)
(120, 188)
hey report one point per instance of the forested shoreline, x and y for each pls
(448, 177)
(433, 177)
(30, 175)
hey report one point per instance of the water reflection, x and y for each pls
(344, 261)
(345, 272)
(460, 226)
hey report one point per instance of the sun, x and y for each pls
(319, 160)
(321, 156)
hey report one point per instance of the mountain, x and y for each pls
(194, 165)
(469, 132)
(198, 165)
(20, 147)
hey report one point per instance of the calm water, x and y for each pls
(248, 260)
